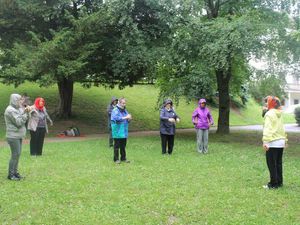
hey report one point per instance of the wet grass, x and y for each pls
(77, 183)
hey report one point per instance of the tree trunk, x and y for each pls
(223, 78)
(65, 88)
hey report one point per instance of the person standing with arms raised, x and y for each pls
(15, 119)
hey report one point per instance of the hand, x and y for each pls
(51, 123)
(27, 109)
(172, 120)
(177, 120)
(129, 117)
(265, 147)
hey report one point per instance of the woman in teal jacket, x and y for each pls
(119, 125)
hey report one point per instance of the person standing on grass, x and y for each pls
(110, 108)
(120, 119)
(38, 127)
(274, 141)
(202, 119)
(168, 119)
(15, 118)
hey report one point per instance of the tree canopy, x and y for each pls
(212, 46)
(80, 41)
(192, 48)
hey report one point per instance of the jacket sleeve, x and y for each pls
(210, 118)
(267, 131)
(194, 115)
(162, 115)
(116, 116)
(18, 119)
(48, 117)
(176, 116)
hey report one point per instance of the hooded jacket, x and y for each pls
(110, 108)
(273, 126)
(15, 118)
(202, 117)
(119, 126)
(34, 117)
(167, 127)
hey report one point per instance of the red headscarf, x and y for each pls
(273, 102)
(39, 103)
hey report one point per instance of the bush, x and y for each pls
(297, 115)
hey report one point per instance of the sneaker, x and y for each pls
(269, 186)
(117, 161)
(19, 176)
(126, 161)
(13, 177)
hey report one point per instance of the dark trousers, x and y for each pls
(16, 148)
(167, 140)
(120, 144)
(110, 138)
(37, 141)
(274, 162)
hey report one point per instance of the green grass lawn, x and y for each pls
(77, 183)
(89, 108)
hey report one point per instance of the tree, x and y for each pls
(218, 38)
(29, 31)
(108, 43)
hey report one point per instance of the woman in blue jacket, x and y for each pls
(168, 119)
(119, 125)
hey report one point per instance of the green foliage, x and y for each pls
(77, 183)
(297, 115)
(264, 84)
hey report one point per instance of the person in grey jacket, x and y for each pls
(38, 127)
(15, 118)
(168, 119)
(110, 108)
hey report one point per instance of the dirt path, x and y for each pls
(293, 128)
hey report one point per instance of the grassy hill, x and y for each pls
(89, 108)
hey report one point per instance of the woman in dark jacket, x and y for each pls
(110, 108)
(168, 119)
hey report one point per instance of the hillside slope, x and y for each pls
(89, 108)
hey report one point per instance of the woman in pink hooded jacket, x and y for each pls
(202, 120)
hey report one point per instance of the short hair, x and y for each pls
(121, 99)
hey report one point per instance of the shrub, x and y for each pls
(297, 115)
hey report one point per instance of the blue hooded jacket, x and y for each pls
(119, 126)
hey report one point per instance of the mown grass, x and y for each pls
(77, 183)
(89, 108)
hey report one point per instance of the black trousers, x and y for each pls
(37, 141)
(120, 144)
(167, 140)
(274, 162)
